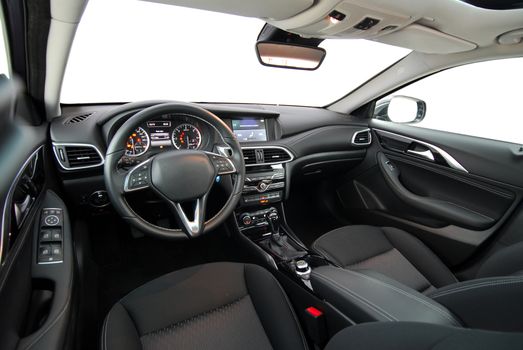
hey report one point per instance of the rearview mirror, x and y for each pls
(285, 55)
(401, 109)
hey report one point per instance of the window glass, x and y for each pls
(4, 62)
(479, 99)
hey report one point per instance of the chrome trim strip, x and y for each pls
(50, 262)
(453, 163)
(8, 199)
(359, 132)
(270, 147)
(65, 144)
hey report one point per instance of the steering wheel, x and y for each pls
(177, 176)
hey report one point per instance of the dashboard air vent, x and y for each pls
(362, 138)
(78, 118)
(266, 155)
(275, 155)
(81, 156)
(249, 156)
(77, 156)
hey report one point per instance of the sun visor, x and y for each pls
(427, 40)
(267, 9)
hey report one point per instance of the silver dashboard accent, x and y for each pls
(353, 140)
(453, 163)
(270, 147)
(8, 199)
(65, 144)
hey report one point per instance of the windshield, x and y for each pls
(136, 50)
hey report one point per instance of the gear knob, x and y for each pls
(274, 221)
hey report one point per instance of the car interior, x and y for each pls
(303, 174)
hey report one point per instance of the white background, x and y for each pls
(127, 50)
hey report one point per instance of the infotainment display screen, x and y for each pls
(249, 129)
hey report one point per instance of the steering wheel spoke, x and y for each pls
(139, 177)
(195, 226)
(223, 164)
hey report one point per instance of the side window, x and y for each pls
(4, 51)
(479, 99)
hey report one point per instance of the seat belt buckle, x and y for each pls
(315, 325)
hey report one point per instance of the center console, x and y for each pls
(348, 296)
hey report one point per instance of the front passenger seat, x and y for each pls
(403, 257)
(213, 306)
(497, 287)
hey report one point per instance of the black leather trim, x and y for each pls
(420, 336)
(486, 303)
(369, 296)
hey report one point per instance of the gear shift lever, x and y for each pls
(274, 221)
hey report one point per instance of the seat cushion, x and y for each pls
(389, 251)
(212, 306)
(421, 336)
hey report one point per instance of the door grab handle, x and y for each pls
(424, 154)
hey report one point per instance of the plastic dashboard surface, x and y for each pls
(301, 130)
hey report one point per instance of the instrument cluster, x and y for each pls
(165, 132)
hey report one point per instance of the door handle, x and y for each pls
(427, 154)
(441, 209)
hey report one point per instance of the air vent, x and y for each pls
(266, 155)
(249, 156)
(362, 138)
(272, 155)
(78, 118)
(77, 156)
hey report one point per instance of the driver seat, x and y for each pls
(212, 306)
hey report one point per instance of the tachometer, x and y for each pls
(137, 143)
(186, 136)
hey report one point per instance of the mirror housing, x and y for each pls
(289, 55)
(400, 109)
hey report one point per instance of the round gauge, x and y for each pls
(137, 143)
(186, 136)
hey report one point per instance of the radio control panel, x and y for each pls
(264, 187)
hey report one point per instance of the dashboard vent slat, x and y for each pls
(249, 156)
(272, 155)
(78, 118)
(362, 138)
(266, 155)
(77, 156)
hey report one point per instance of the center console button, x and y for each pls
(247, 220)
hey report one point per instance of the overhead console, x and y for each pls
(395, 24)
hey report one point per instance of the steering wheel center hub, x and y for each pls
(182, 176)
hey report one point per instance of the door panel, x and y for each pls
(453, 191)
(35, 298)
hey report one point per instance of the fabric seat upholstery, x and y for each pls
(212, 306)
(421, 336)
(403, 257)
(389, 251)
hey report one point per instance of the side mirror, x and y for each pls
(285, 55)
(400, 109)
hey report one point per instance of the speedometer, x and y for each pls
(137, 143)
(186, 136)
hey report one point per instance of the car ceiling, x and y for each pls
(431, 28)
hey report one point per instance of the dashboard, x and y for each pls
(311, 141)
